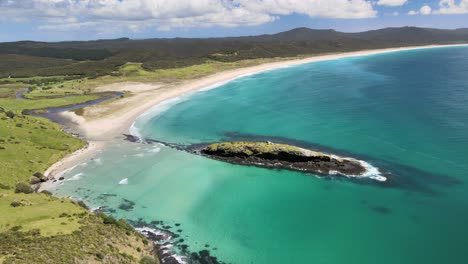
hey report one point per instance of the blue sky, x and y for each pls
(55, 20)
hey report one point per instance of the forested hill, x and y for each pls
(102, 57)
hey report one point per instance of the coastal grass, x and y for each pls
(189, 72)
(8, 91)
(40, 228)
(30, 144)
(52, 216)
(18, 105)
(96, 240)
(69, 87)
(254, 148)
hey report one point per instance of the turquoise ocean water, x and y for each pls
(404, 112)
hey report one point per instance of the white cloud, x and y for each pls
(166, 14)
(451, 7)
(392, 2)
(424, 10)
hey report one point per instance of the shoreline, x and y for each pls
(102, 131)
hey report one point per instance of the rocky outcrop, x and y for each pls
(282, 156)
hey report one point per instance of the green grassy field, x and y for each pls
(39, 228)
(41, 211)
(30, 144)
(18, 105)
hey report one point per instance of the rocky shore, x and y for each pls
(282, 156)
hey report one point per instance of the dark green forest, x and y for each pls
(102, 57)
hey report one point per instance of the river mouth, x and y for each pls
(53, 113)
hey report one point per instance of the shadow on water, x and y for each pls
(398, 175)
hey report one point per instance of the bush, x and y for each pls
(106, 219)
(10, 114)
(109, 220)
(148, 260)
(81, 204)
(15, 228)
(16, 203)
(46, 192)
(100, 256)
(23, 187)
(38, 175)
(4, 187)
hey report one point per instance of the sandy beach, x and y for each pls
(104, 123)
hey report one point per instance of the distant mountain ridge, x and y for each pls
(104, 56)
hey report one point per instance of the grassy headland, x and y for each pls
(40, 228)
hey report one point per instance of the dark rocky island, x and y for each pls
(282, 156)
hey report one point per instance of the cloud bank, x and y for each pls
(392, 2)
(138, 15)
(167, 14)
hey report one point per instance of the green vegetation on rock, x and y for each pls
(257, 148)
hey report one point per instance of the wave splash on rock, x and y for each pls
(282, 156)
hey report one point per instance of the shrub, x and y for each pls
(35, 232)
(16, 203)
(4, 187)
(100, 256)
(15, 228)
(81, 204)
(148, 260)
(124, 225)
(46, 192)
(64, 215)
(10, 114)
(23, 187)
(106, 219)
(38, 175)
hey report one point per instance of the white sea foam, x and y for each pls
(155, 150)
(97, 161)
(152, 112)
(60, 174)
(124, 181)
(139, 155)
(75, 177)
(371, 171)
(166, 237)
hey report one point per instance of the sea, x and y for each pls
(404, 113)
